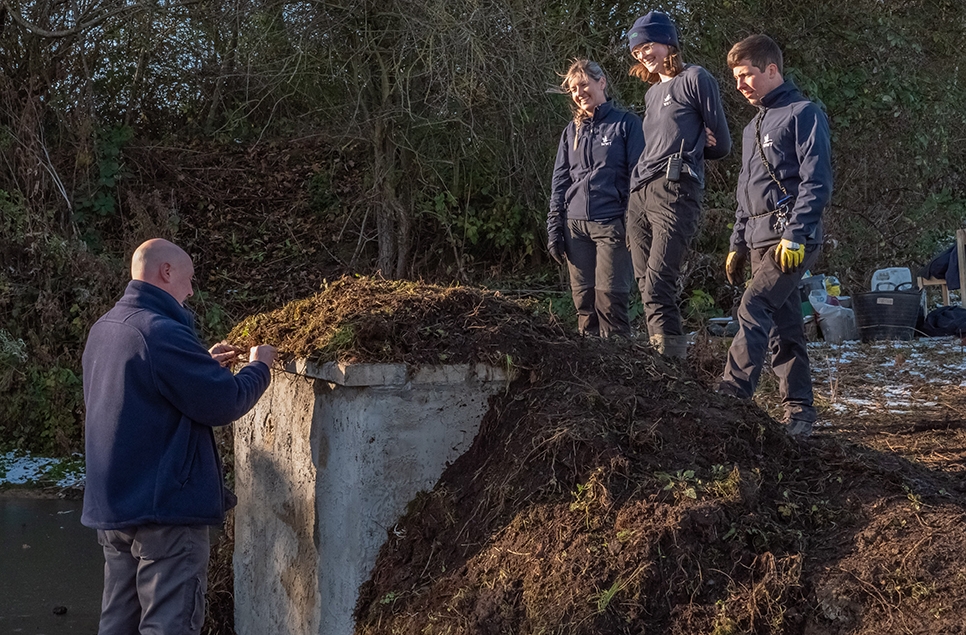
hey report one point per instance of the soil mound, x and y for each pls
(365, 319)
(609, 491)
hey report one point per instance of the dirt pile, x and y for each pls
(360, 319)
(609, 491)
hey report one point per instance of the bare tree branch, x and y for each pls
(79, 28)
(16, 16)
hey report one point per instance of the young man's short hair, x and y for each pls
(759, 50)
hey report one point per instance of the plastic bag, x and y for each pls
(837, 323)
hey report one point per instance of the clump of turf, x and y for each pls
(373, 320)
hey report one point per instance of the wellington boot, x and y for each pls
(799, 427)
(673, 346)
(676, 346)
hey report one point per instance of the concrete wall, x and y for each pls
(325, 465)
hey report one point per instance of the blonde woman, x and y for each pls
(591, 184)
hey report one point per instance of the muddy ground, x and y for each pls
(611, 491)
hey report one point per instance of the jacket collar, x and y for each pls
(781, 96)
(602, 110)
(146, 295)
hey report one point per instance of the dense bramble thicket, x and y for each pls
(282, 142)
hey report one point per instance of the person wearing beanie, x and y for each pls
(588, 202)
(684, 124)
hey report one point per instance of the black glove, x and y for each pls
(735, 267)
(555, 236)
(558, 251)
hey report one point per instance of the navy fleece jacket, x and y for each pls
(153, 394)
(796, 142)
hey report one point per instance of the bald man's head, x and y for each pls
(165, 265)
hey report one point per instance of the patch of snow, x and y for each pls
(20, 469)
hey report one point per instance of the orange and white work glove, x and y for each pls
(735, 267)
(789, 255)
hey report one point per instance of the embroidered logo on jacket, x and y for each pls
(667, 100)
(767, 141)
(606, 141)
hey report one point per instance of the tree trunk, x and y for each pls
(383, 173)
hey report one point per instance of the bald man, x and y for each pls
(154, 479)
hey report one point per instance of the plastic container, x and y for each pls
(811, 283)
(887, 315)
(891, 279)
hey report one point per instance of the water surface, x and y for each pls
(48, 560)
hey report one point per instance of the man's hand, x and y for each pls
(789, 255)
(263, 353)
(224, 353)
(735, 267)
(709, 139)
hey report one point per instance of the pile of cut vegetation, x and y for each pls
(361, 319)
(609, 491)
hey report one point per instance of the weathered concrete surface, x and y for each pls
(325, 464)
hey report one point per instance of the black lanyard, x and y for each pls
(761, 153)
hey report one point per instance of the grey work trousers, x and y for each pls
(662, 219)
(155, 579)
(600, 275)
(770, 318)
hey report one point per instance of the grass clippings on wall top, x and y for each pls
(361, 319)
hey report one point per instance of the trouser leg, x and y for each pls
(120, 607)
(771, 295)
(613, 275)
(672, 210)
(582, 265)
(172, 578)
(790, 356)
(639, 236)
(155, 580)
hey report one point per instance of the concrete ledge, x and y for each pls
(396, 374)
(325, 465)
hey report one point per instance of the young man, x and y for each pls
(154, 481)
(784, 185)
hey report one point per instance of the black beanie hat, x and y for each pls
(653, 27)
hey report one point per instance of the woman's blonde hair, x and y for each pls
(673, 64)
(579, 69)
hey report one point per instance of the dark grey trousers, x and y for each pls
(155, 578)
(600, 275)
(662, 219)
(770, 318)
